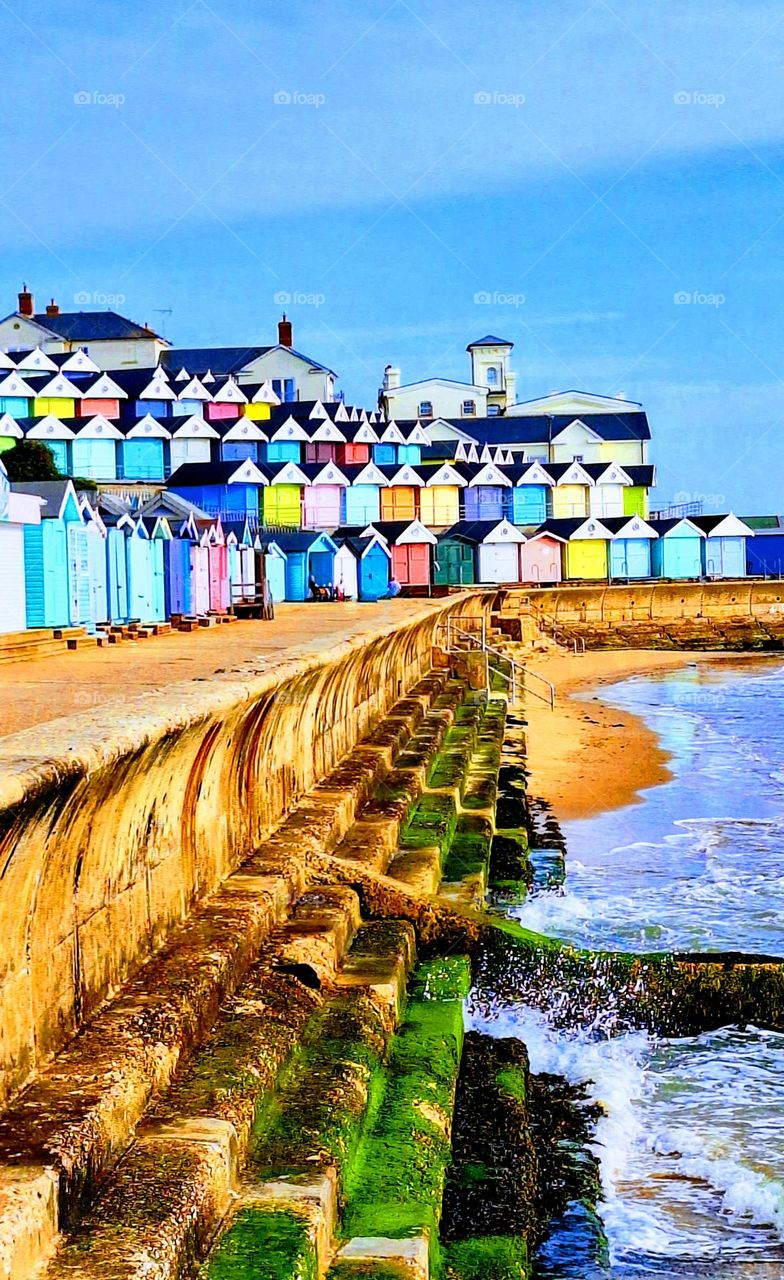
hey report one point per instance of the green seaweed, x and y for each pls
(263, 1244)
(486, 1258)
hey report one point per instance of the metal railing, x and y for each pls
(518, 675)
(547, 623)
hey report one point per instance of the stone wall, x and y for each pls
(112, 829)
(653, 601)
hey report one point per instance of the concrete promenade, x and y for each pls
(68, 684)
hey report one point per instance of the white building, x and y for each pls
(111, 340)
(293, 376)
(491, 389)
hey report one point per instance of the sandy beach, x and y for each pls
(586, 756)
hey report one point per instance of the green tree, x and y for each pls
(30, 460)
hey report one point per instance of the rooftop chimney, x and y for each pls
(53, 309)
(26, 305)
(391, 378)
(285, 332)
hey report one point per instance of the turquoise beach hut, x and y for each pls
(677, 549)
(97, 561)
(307, 554)
(56, 557)
(274, 568)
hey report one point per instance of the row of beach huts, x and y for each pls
(70, 558)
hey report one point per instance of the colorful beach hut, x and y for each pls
(274, 568)
(439, 501)
(97, 561)
(178, 578)
(677, 550)
(411, 545)
(765, 553)
(308, 554)
(362, 567)
(454, 559)
(488, 494)
(530, 495)
(630, 547)
(362, 497)
(585, 543)
(57, 574)
(724, 545)
(541, 557)
(18, 511)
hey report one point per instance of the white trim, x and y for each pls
(635, 527)
(591, 530)
(9, 427)
(247, 473)
(98, 428)
(535, 473)
(244, 429)
(406, 475)
(290, 430)
(288, 473)
(149, 428)
(36, 361)
(445, 475)
(490, 475)
(327, 432)
(575, 474)
(157, 388)
(503, 533)
(415, 532)
(266, 395)
(80, 362)
(14, 385)
(371, 473)
(52, 427)
(365, 435)
(614, 474)
(392, 434)
(330, 474)
(104, 388)
(194, 390)
(59, 387)
(230, 393)
(195, 427)
(731, 526)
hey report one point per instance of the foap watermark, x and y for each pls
(93, 98)
(285, 298)
(694, 298)
(706, 501)
(484, 298)
(86, 298)
(498, 98)
(696, 98)
(283, 98)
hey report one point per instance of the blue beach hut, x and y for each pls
(56, 558)
(274, 568)
(362, 567)
(677, 549)
(307, 554)
(97, 561)
(630, 546)
(724, 546)
(532, 486)
(765, 554)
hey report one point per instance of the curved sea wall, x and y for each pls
(654, 601)
(112, 827)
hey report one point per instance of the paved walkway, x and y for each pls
(43, 689)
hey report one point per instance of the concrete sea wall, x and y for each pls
(655, 601)
(113, 828)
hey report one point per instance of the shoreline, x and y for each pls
(586, 757)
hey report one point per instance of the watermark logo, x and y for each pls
(498, 98)
(285, 298)
(486, 298)
(92, 98)
(687, 298)
(298, 99)
(696, 98)
(707, 501)
(85, 298)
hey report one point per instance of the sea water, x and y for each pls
(691, 1141)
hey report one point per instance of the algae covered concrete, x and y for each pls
(116, 821)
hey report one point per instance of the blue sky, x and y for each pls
(582, 164)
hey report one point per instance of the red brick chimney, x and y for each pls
(26, 305)
(285, 332)
(53, 309)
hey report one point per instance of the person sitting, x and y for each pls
(394, 588)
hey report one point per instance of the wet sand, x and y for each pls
(585, 756)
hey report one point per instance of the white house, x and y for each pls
(292, 375)
(490, 390)
(111, 340)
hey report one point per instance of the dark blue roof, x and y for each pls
(297, 539)
(92, 326)
(225, 359)
(201, 473)
(542, 428)
(490, 341)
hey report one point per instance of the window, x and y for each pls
(277, 387)
(289, 390)
(578, 457)
(469, 408)
(493, 410)
(492, 376)
(425, 409)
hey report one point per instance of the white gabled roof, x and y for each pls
(365, 434)
(148, 428)
(327, 431)
(392, 434)
(80, 362)
(318, 411)
(98, 428)
(577, 427)
(266, 395)
(461, 453)
(193, 390)
(341, 413)
(244, 429)
(406, 474)
(613, 474)
(490, 474)
(13, 385)
(60, 386)
(535, 473)
(415, 532)
(50, 428)
(562, 402)
(183, 375)
(36, 361)
(473, 453)
(446, 475)
(195, 426)
(684, 520)
(330, 474)
(247, 473)
(590, 530)
(289, 473)
(290, 430)
(636, 527)
(104, 388)
(504, 532)
(158, 388)
(418, 435)
(731, 527)
(230, 393)
(486, 455)
(5, 361)
(209, 376)
(576, 474)
(10, 427)
(371, 474)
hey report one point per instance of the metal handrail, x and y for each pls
(519, 672)
(575, 643)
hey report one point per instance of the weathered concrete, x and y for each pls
(112, 830)
(652, 601)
